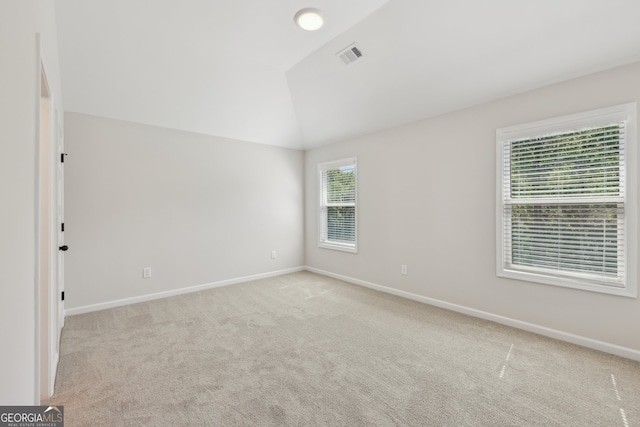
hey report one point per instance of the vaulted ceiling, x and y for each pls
(241, 69)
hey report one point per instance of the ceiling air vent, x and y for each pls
(350, 55)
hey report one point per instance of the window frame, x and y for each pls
(322, 241)
(599, 117)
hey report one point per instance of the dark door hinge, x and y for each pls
(62, 295)
(62, 227)
(62, 157)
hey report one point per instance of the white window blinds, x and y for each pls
(563, 204)
(337, 219)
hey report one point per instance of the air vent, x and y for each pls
(350, 55)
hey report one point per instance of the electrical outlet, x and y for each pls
(403, 270)
(146, 272)
(273, 255)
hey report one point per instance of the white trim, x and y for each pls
(518, 324)
(328, 244)
(54, 370)
(336, 246)
(47, 297)
(628, 249)
(37, 207)
(631, 202)
(601, 116)
(149, 297)
(336, 164)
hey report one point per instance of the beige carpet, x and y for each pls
(305, 350)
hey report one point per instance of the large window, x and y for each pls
(567, 200)
(338, 205)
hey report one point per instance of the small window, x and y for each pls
(567, 201)
(338, 210)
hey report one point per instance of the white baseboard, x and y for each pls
(53, 374)
(541, 330)
(149, 297)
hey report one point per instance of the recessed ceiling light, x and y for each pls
(309, 19)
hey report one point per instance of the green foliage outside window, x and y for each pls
(566, 236)
(341, 189)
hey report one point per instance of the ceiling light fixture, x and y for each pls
(309, 19)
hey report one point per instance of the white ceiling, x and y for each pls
(241, 69)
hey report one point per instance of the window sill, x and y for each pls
(629, 292)
(339, 247)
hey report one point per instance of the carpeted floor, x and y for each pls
(305, 350)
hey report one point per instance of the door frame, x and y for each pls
(59, 221)
(47, 316)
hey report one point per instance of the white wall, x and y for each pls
(427, 199)
(196, 209)
(19, 80)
